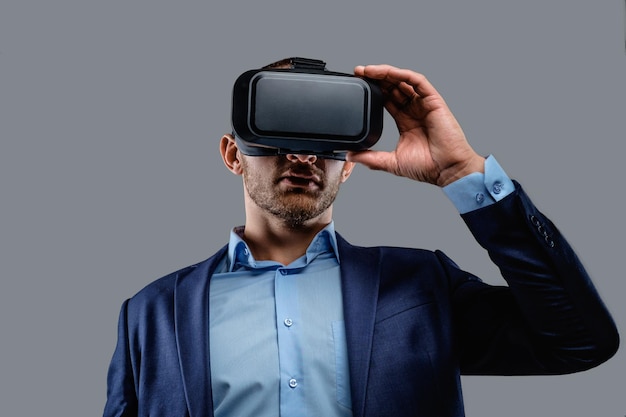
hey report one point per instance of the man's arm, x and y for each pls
(550, 319)
(121, 394)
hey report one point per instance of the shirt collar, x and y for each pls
(239, 253)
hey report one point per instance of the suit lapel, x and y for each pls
(360, 272)
(191, 311)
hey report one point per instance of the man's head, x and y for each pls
(293, 188)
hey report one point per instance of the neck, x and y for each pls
(273, 239)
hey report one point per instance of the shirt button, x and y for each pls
(288, 322)
(245, 251)
(480, 197)
(497, 188)
(283, 272)
(293, 383)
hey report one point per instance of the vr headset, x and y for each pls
(305, 109)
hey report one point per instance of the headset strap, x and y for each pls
(252, 150)
(307, 63)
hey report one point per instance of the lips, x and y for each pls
(301, 179)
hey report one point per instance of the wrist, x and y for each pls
(461, 169)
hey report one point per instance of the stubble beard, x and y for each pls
(294, 206)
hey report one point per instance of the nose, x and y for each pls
(305, 159)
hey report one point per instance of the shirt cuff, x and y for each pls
(479, 190)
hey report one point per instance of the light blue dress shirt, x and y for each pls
(278, 345)
(277, 334)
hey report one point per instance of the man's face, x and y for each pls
(294, 188)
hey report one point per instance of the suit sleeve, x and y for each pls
(549, 320)
(121, 393)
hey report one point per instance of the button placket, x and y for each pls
(289, 339)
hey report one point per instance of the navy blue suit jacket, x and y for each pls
(414, 322)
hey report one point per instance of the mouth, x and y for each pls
(300, 180)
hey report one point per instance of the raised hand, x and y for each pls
(432, 147)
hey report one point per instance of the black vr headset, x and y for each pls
(305, 109)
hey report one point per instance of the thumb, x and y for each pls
(377, 160)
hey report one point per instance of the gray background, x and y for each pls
(110, 115)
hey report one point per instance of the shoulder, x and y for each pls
(162, 289)
(393, 253)
(393, 264)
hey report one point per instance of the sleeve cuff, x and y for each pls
(479, 190)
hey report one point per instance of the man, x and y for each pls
(289, 319)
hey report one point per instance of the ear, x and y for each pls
(347, 170)
(230, 154)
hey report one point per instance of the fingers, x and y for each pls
(400, 95)
(407, 81)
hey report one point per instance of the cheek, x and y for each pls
(335, 171)
(257, 165)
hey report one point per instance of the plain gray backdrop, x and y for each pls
(110, 116)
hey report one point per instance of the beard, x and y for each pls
(293, 205)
